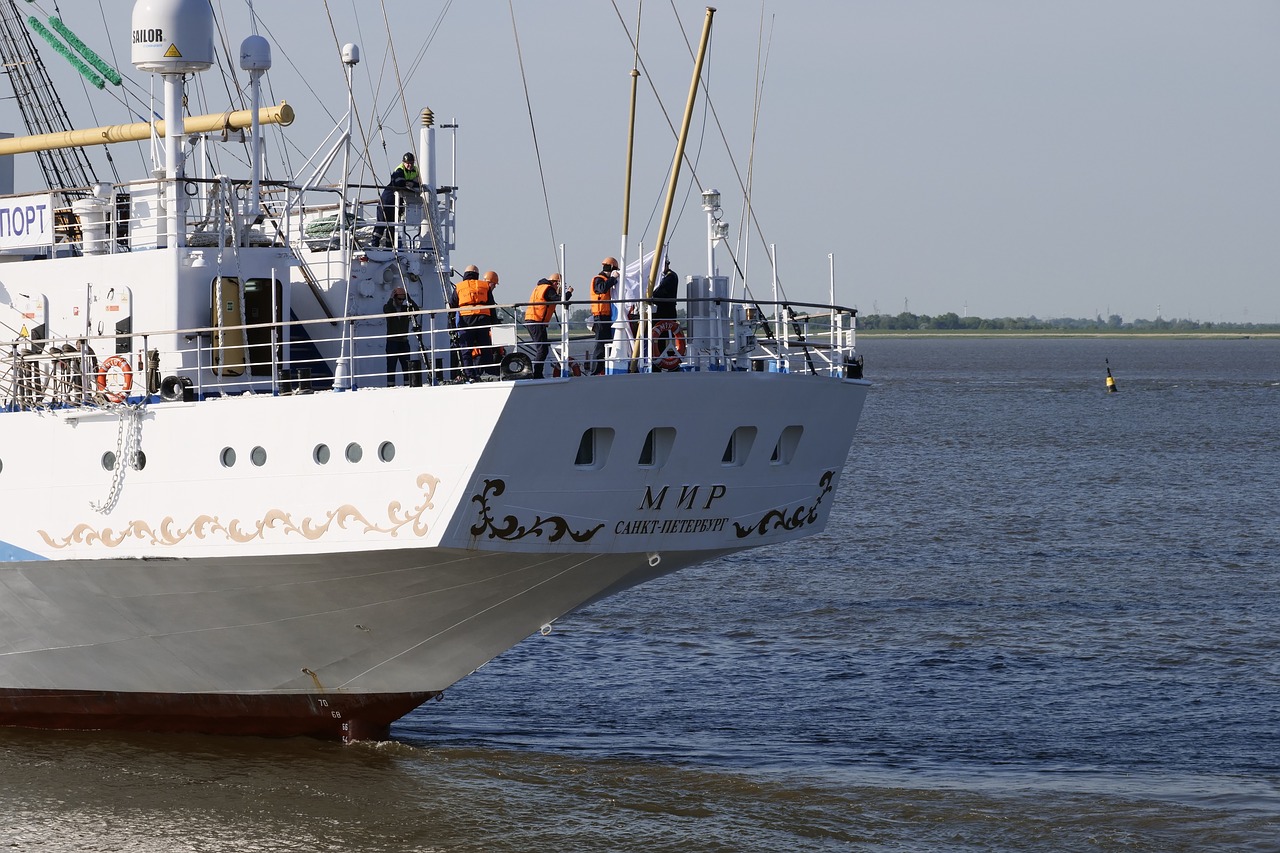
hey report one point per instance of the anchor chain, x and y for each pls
(128, 440)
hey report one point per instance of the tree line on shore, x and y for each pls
(906, 321)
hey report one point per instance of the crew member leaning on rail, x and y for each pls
(475, 295)
(542, 307)
(602, 287)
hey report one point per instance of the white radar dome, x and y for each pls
(255, 54)
(172, 36)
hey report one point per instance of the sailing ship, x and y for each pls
(219, 518)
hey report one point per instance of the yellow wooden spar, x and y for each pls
(680, 142)
(281, 114)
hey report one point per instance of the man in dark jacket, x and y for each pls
(405, 179)
(664, 295)
(401, 324)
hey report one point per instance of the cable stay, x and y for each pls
(533, 129)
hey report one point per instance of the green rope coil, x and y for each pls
(113, 76)
(61, 48)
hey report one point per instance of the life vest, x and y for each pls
(474, 292)
(541, 307)
(600, 306)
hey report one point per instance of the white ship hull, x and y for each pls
(299, 597)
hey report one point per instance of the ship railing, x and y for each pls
(111, 218)
(114, 218)
(49, 374)
(300, 356)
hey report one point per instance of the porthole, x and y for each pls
(258, 456)
(354, 452)
(386, 451)
(321, 454)
(228, 457)
(108, 461)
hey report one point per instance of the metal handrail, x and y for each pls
(44, 376)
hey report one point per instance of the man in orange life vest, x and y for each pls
(475, 294)
(602, 311)
(542, 307)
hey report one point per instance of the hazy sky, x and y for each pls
(991, 157)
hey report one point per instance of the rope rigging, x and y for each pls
(710, 105)
(542, 176)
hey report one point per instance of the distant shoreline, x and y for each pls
(995, 333)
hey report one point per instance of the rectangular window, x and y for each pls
(593, 448)
(785, 450)
(657, 447)
(739, 447)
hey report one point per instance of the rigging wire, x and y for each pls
(710, 105)
(542, 175)
(662, 107)
(762, 67)
(121, 96)
(399, 87)
(693, 171)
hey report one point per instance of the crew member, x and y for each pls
(401, 324)
(405, 179)
(475, 294)
(542, 307)
(602, 287)
(664, 295)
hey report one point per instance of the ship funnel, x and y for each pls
(172, 36)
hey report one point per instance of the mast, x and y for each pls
(255, 57)
(66, 172)
(631, 144)
(173, 38)
(680, 143)
(626, 193)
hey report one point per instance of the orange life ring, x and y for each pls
(668, 344)
(115, 378)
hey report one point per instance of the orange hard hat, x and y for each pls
(491, 277)
(610, 262)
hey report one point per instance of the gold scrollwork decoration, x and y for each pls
(169, 532)
(788, 519)
(512, 529)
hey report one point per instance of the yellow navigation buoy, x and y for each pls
(1111, 382)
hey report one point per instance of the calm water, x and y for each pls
(1043, 618)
